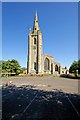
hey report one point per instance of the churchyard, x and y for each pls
(33, 98)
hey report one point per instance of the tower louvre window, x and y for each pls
(34, 40)
(35, 65)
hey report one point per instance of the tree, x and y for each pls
(79, 67)
(74, 67)
(15, 67)
(11, 66)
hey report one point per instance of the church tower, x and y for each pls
(35, 49)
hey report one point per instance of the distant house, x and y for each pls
(65, 71)
(24, 70)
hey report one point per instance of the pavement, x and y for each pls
(40, 98)
(47, 83)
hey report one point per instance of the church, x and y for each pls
(38, 63)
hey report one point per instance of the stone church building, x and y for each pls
(37, 62)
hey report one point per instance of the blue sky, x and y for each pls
(58, 23)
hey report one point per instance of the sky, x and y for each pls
(58, 23)
(0, 31)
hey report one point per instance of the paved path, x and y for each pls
(25, 103)
(41, 98)
(47, 83)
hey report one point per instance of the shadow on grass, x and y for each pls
(29, 103)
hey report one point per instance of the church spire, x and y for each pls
(36, 26)
(36, 16)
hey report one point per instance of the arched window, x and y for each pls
(34, 40)
(59, 69)
(56, 68)
(51, 67)
(46, 64)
